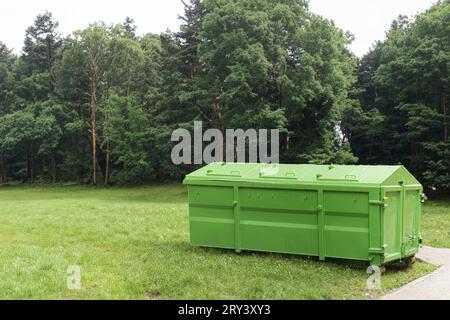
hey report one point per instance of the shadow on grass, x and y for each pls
(195, 251)
(340, 263)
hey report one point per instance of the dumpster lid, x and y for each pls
(302, 173)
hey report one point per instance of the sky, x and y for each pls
(367, 20)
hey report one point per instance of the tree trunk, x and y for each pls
(107, 137)
(54, 166)
(444, 110)
(32, 165)
(93, 125)
(84, 138)
(107, 163)
(28, 164)
(2, 169)
(280, 96)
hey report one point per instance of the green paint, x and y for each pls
(368, 213)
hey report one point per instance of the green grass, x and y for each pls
(436, 223)
(133, 244)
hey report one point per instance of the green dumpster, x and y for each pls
(369, 213)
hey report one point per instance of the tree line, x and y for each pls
(99, 106)
(402, 93)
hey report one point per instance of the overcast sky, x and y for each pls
(366, 19)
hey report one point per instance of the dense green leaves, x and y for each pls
(404, 92)
(100, 105)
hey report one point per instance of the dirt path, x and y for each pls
(433, 286)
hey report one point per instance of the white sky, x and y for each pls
(368, 20)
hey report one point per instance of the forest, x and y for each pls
(99, 106)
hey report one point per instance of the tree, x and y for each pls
(129, 135)
(34, 82)
(7, 97)
(280, 64)
(19, 134)
(111, 68)
(129, 28)
(41, 49)
(89, 48)
(132, 80)
(101, 105)
(404, 88)
(49, 118)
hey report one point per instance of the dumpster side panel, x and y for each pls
(211, 216)
(346, 224)
(279, 220)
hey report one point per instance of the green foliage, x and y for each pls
(18, 128)
(41, 52)
(275, 65)
(7, 95)
(404, 92)
(100, 105)
(129, 134)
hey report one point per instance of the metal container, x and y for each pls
(369, 213)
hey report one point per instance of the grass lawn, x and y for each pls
(133, 244)
(436, 223)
